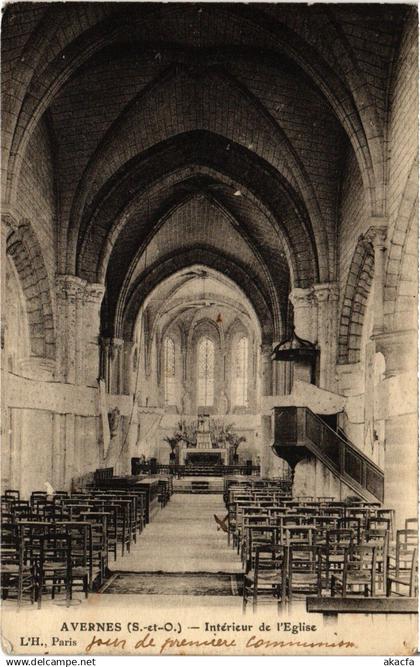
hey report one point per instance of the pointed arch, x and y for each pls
(357, 290)
(25, 251)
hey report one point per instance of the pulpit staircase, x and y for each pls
(299, 433)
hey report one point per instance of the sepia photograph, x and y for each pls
(209, 329)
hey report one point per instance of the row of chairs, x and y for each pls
(318, 546)
(64, 541)
(282, 571)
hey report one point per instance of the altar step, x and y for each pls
(198, 485)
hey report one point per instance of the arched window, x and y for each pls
(169, 371)
(205, 372)
(240, 373)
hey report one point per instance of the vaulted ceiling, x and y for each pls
(210, 134)
(190, 296)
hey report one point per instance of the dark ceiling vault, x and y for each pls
(199, 133)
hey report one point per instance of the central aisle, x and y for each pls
(183, 537)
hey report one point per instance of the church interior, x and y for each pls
(209, 302)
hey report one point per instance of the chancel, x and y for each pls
(209, 303)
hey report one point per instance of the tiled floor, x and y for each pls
(183, 537)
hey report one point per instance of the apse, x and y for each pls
(198, 342)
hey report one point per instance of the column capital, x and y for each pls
(301, 297)
(324, 292)
(376, 235)
(117, 342)
(115, 345)
(9, 224)
(266, 349)
(94, 292)
(399, 349)
(70, 287)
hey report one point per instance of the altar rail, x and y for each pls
(199, 470)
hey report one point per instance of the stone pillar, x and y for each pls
(70, 295)
(8, 225)
(57, 451)
(399, 405)
(266, 390)
(377, 237)
(130, 368)
(94, 293)
(116, 358)
(305, 313)
(266, 370)
(105, 361)
(266, 426)
(326, 295)
(69, 449)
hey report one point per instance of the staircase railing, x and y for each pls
(302, 427)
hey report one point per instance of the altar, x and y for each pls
(204, 452)
(203, 456)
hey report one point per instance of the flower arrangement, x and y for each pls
(221, 434)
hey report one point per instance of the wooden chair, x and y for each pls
(112, 533)
(400, 558)
(323, 523)
(51, 556)
(299, 535)
(358, 574)
(379, 537)
(304, 570)
(407, 578)
(400, 555)
(379, 523)
(359, 512)
(81, 556)
(99, 523)
(16, 575)
(332, 554)
(386, 513)
(257, 534)
(269, 578)
(12, 494)
(411, 523)
(351, 523)
(37, 495)
(20, 509)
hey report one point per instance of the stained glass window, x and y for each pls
(240, 373)
(169, 371)
(205, 372)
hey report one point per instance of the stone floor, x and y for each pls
(183, 537)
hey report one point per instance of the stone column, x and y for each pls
(8, 225)
(305, 313)
(266, 426)
(266, 370)
(104, 344)
(399, 406)
(326, 295)
(94, 293)
(116, 354)
(70, 295)
(377, 236)
(306, 327)
(129, 369)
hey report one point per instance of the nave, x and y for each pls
(183, 538)
(209, 279)
(254, 542)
